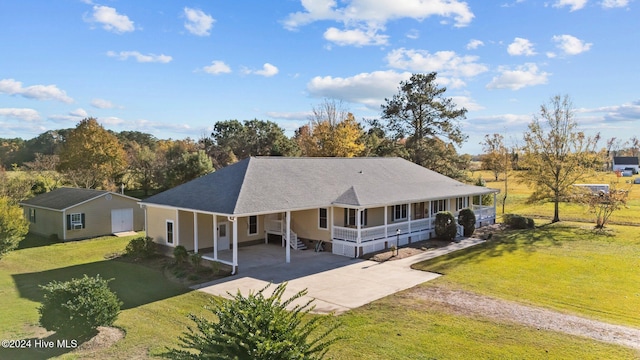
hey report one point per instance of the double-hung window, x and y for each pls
(253, 225)
(32, 215)
(323, 218)
(437, 206)
(400, 212)
(350, 217)
(169, 232)
(461, 203)
(75, 221)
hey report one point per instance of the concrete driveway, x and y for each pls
(336, 283)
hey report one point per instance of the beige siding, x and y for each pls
(48, 222)
(157, 224)
(243, 229)
(375, 216)
(98, 216)
(185, 229)
(305, 224)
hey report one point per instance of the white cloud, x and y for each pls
(518, 78)
(467, 103)
(571, 45)
(520, 46)
(20, 114)
(474, 44)
(369, 89)
(573, 4)
(268, 70)
(357, 37)
(124, 55)
(38, 92)
(446, 63)
(378, 11)
(413, 34)
(79, 112)
(111, 20)
(609, 4)
(102, 104)
(73, 116)
(198, 23)
(217, 67)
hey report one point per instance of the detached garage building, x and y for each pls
(74, 214)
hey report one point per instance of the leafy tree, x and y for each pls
(377, 143)
(555, 154)
(496, 157)
(429, 121)
(78, 306)
(331, 131)
(13, 225)
(16, 185)
(92, 157)
(190, 166)
(604, 204)
(233, 140)
(258, 327)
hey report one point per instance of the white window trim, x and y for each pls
(249, 225)
(438, 202)
(32, 215)
(406, 212)
(465, 203)
(173, 233)
(326, 218)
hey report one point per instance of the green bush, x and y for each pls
(518, 222)
(78, 306)
(13, 225)
(258, 327)
(181, 254)
(446, 228)
(141, 247)
(196, 260)
(467, 218)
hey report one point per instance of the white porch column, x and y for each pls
(234, 220)
(430, 215)
(215, 237)
(64, 225)
(331, 225)
(386, 218)
(358, 226)
(288, 232)
(195, 232)
(409, 219)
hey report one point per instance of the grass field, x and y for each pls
(517, 194)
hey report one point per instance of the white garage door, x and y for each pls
(121, 220)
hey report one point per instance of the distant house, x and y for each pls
(622, 163)
(72, 214)
(352, 206)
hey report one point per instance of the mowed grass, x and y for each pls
(155, 314)
(518, 193)
(562, 266)
(154, 311)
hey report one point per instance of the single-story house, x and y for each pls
(350, 206)
(72, 213)
(622, 163)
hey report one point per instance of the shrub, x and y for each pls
(467, 218)
(181, 254)
(141, 247)
(78, 306)
(446, 228)
(518, 221)
(196, 260)
(258, 327)
(13, 225)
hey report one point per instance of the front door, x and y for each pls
(223, 236)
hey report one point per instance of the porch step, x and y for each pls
(299, 245)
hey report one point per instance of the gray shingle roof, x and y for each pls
(63, 198)
(273, 184)
(625, 160)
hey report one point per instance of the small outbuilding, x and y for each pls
(626, 163)
(73, 214)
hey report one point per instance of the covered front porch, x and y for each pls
(361, 238)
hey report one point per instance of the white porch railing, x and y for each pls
(378, 232)
(484, 212)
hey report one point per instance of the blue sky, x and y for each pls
(174, 68)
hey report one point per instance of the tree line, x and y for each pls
(419, 123)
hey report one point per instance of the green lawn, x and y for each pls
(398, 326)
(560, 266)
